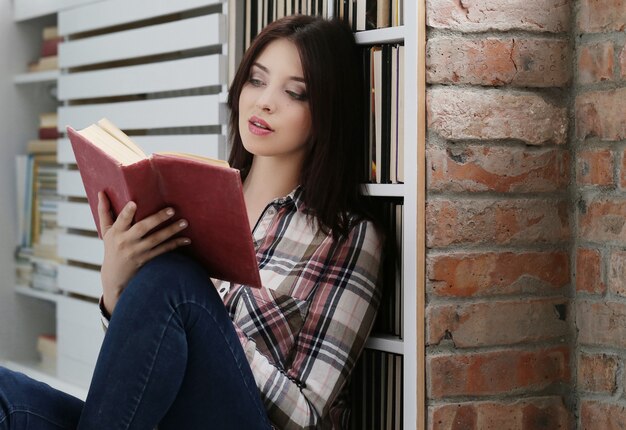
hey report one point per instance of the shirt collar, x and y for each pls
(295, 196)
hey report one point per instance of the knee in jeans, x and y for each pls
(168, 272)
(13, 387)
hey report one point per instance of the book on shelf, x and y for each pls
(206, 192)
(47, 349)
(258, 14)
(384, 80)
(370, 14)
(48, 54)
(390, 313)
(376, 391)
(44, 64)
(48, 126)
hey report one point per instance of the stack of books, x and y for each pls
(48, 59)
(47, 349)
(38, 201)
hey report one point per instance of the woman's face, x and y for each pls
(274, 114)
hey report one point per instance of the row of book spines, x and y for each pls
(359, 14)
(377, 391)
(370, 14)
(390, 312)
(258, 14)
(383, 67)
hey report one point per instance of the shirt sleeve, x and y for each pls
(104, 315)
(339, 320)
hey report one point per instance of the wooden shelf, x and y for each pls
(49, 76)
(33, 370)
(380, 35)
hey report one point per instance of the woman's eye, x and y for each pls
(297, 96)
(256, 82)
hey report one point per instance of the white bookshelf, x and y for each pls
(412, 191)
(181, 84)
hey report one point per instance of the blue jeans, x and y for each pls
(170, 358)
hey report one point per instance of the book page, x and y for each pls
(108, 144)
(118, 134)
(207, 160)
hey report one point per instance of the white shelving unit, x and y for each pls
(411, 346)
(181, 84)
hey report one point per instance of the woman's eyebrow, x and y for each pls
(266, 70)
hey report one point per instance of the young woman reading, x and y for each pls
(186, 352)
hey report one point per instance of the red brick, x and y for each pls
(535, 413)
(493, 61)
(601, 324)
(594, 167)
(478, 274)
(483, 15)
(502, 222)
(502, 169)
(617, 273)
(622, 62)
(456, 114)
(596, 415)
(500, 372)
(601, 114)
(598, 16)
(603, 220)
(589, 271)
(595, 63)
(597, 373)
(622, 173)
(496, 323)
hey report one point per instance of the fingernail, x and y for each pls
(186, 241)
(182, 224)
(169, 211)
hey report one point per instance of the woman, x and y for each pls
(177, 355)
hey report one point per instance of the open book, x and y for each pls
(204, 191)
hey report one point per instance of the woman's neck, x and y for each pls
(269, 179)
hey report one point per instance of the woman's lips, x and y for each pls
(259, 131)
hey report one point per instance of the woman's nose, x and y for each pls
(266, 101)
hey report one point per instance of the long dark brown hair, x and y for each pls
(335, 159)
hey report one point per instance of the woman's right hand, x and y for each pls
(128, 246)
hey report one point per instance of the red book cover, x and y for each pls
(48, 133)
(50, 47)
(209, 197)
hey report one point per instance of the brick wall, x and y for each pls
(499, 216)
(526, 214)
(598, 145)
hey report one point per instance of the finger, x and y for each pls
(125, 218)
(141, 228)
(104, 212)
(164, 247)
(156, 238)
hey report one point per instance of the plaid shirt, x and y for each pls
(305, 329)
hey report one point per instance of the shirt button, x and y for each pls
(271, 211)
